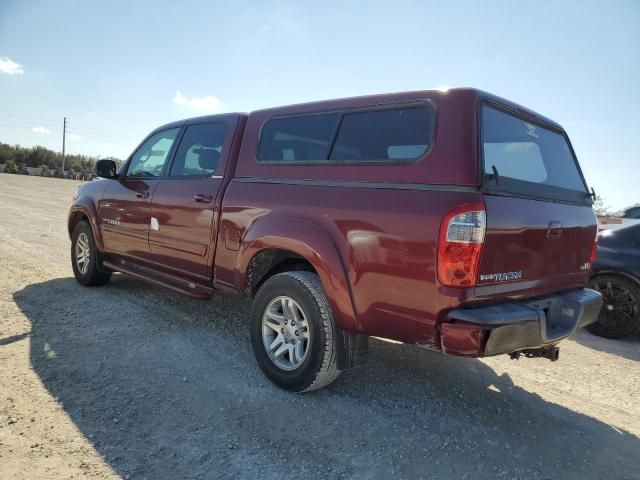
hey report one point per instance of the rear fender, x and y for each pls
(312, 243)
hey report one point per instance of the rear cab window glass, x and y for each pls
(394, 134)
(200, 150)
(303, 138)
(397, 134)
(529, 159)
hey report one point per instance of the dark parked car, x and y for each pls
(632, 212)
(616, 274)
(455, 220)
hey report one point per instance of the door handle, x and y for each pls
(555, 229)
(202, 198)
(142, 194)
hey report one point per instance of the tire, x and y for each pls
(282, 298)
(620, 314)
(87, 270)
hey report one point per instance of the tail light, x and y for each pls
(594, 250)
(461, 239)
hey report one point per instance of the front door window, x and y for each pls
(150, 159)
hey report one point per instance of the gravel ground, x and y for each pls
(132, 381)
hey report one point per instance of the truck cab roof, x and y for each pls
(368, 100)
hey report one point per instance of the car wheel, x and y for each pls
(85, 257)
(293, 332)
(620, 314)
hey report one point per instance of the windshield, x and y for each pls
(521, 157)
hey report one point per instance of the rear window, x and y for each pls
(528, 158)
(391, 135)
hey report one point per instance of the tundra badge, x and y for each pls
(501, 277)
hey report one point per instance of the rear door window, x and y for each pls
(199, 151)
(392, 135)
(528, 158)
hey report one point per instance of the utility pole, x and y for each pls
(64, 134)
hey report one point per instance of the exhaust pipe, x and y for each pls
(552, 353)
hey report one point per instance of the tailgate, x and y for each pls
(534, 247)
(540, 226)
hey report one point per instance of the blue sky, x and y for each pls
(118, 69)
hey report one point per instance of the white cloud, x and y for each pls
(41, 130)
(209, 104)
(10, 67)
(74, 137)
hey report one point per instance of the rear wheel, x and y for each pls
(293, 332)
(85, 257)
(620, 314)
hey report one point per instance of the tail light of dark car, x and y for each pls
(594, 251)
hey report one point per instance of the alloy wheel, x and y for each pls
(620, 309)
(83, 253)
(285, 333)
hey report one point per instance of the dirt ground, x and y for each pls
(132, 381)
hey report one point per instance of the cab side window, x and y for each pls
(149, 160)
(200, 150)
(305, 138)
(389, 135)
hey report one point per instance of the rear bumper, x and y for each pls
(510, 327)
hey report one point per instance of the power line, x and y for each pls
(100, 138)
(103, 136)
(27, 117)
(27, 124)
(24, 120)
(107, 132)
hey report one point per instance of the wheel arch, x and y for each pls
(270, 261)
(616, 273)
(83, 209)
(276, 244)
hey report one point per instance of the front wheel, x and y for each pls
(85, 257)
(293, 332)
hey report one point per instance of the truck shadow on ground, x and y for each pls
(628, 347)
(166, 387)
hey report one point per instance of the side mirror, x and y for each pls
(106, 169)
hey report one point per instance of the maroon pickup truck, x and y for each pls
(454, 220)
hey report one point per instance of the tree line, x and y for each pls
(17, 158)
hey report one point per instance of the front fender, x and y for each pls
(314, 244)
(84, 206)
